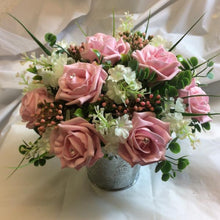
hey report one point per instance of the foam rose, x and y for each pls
(158, 60)
(29, 105)
(196, 105)
(147, 140)
(108, 47)
(76, 143)
(81, 82)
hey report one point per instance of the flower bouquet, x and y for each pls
(124, 95)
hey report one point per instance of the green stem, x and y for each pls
(170, 157)
(190, 96)
(195, 67)
(58, 46)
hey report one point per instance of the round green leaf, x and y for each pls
(175, 148)
(186, 81)
(179, 58)
(42, 162)
(36, 163)
(165, 177)
(210, 75)
(172, 91)
(182, 163)
(166, 167)
(210, 63)
(22, 149)
(50, 38)
(185, 64)
(194, 61)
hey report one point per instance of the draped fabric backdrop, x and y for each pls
(51, 193)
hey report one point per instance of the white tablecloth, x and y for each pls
(51, 193)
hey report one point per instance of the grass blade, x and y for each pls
(113, 23)
(148, 21)
(33, 37)
(186, 33)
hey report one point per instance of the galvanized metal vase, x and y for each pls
(112, 175)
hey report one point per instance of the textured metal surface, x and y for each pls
(113, 175)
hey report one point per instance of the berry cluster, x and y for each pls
(50, 115)
(75, 51)
(140, 104)
(136, 40)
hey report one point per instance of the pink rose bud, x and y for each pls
(77, 143)
(147, 140)
(158, 60)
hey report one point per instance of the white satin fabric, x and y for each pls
(52, 193)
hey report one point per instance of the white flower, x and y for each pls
(54, 69)
(127, 23)
(160, 41)
(122, 83)
(123, 126)
(115, 93)
(44, 143)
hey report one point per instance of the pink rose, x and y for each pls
(76, 143)
(107, 46)
(158, 60)
(29, 105)
(81, 82)
(147, 140)
(197, 105)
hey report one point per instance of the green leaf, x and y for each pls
(206, 125)
(50, 38)
(42, 162)
(185, 64)
(98, 54)
(182, 163)
(210, 63)
(32, 70)
(210, 75)
(180, 84)
(172, 91)
(165, 177)
(37, 77)
(180, 58)
(133, 64)
(36, 163)
(147, 72)
(79, 112)
(198, 128)
(33, 37)
(185, 81)
(159, 166)
(152, 76)
(194, 61)
(175, 148)
(166, 167)
(22, 149)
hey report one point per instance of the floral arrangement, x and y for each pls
(124, 95)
